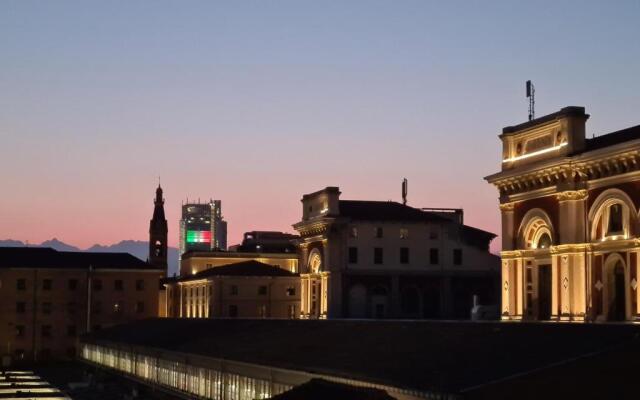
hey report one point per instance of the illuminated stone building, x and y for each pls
(570, 224)
(374, 259)
(248, 289)
(49, 298)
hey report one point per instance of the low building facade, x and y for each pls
(570, 223)
(49, 298)
(248, 289)
(372, 259)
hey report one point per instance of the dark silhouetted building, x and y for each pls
(49, 298)
(267, 242)
(158, 232)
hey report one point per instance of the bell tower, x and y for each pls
(158, 233)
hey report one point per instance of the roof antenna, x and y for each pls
(405, 188)
(531, 95)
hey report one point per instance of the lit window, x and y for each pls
(353, 232)
(404, 233)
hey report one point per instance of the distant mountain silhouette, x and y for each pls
(138, 248)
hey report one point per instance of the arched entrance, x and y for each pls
(616, 297)
(358, 301)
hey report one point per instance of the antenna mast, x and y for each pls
(405, 188)
(531, 95)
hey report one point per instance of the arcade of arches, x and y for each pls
(547, 277)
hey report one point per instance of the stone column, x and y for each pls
(565, 285)
(578, 284)
(508, 228)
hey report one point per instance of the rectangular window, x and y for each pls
(377, 255)
(72, 284)
(457, 256)
(404, 233)
(21, 284)
(291, 291)
(353, 255)
(97, 307)
(378, 232)
(234, 290)
(97, 284)
(21, 307)
(433, 234)
(71, 307)
(46, 307)
(404, 255)
(118, 307)
(433, 257)
(71, 330)
(140, 307)
(262, 290)
(118, 285)
(46, 331)
(47, 284)
(233, 311)
(139, 285)
(353, 232)
(19, 331)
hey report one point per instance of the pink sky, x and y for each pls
(257, 103)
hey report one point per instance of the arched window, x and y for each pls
(612, 216)
(536, 230)
(615, 220)
(544, 241)
(315, 262)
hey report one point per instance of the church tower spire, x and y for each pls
(158, 233)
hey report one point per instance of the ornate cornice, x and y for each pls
(572, 195)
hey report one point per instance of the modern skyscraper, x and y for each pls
(158, 233)
(202, 227)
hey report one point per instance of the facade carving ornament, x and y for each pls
(507, 206)
(572, 195)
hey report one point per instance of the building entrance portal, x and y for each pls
(617, 300)
(544, 292)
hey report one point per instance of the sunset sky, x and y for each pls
(257, 102)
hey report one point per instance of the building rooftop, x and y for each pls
(245, 268)
(46, 257)
(394, 211)
(440, 357)
(613, 138)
